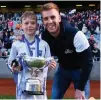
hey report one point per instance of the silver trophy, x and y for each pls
(35, 84)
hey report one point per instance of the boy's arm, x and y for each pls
(12, 57)
(52, 64)
(47, 51)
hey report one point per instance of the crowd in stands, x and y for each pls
(89, 23)
(86, 21)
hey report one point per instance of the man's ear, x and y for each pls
(59, 18)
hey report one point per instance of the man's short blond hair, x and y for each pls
(49, 6)
(29, 14)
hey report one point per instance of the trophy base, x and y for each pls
(33, 92)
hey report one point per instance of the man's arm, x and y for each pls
(86, 64)
(85, 58)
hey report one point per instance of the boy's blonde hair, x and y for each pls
(49, 6)
(28, 14)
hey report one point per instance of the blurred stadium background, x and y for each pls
(84, 15)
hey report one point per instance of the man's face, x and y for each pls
(29, 26)
(51, 19)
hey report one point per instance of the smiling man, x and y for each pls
(73, 51)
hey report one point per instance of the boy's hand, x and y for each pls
(16, 69)
(15, 66)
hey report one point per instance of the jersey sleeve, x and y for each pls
(47, 51)
(12, 55)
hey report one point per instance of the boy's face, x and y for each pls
(29, 26)
(51, 19)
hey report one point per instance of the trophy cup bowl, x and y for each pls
(37, 62)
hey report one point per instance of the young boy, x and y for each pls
(29, 45)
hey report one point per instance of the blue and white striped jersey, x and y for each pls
(19, 47)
